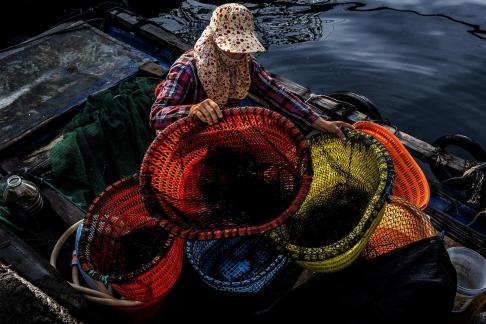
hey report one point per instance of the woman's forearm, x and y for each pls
(171, 95)
(279, 97)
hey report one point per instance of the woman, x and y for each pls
(220, 72)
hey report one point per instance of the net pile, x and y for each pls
(242, 264)
(104, 142)
(241, 176)
(410, 181)
(351, 182)
(402, 224)
(121, 245)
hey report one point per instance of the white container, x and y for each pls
(471, 276)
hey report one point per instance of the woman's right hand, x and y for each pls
(207, 110)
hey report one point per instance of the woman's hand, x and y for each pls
(207, 110)
(333, 127)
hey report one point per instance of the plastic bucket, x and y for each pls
(471, 276)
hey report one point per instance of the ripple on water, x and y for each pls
(421, 62)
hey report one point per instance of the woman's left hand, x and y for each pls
(333, 127)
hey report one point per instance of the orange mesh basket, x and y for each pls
(410, 181)
(402, 224)
(244, 175)
(121, 245)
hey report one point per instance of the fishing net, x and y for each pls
(402, 224)
(242, 264)
(351, 181)
(104, 142)
(243, 175)
(410, 182)
(122, 245)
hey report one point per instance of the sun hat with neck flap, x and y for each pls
(230, 30)
(234, 29)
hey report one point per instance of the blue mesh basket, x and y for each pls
(242, 264)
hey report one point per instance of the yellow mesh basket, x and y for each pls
(402, 224)
(351, 182)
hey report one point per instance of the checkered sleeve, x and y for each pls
(170, 94)
(279, 97)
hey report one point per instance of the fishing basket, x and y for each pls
(96, 292)
(122, 246)
(351, 182)
(402, 224)
(244, 264)
(410, 181)
(244, 175)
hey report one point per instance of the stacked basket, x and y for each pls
(123, 248)
(221, 186)
(352, 180)
(247, 194)
(403, 222)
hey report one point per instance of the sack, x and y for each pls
(413, 284)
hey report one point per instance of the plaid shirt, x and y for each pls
(182, 88)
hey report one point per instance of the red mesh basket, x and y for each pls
(243, 175)
(410, 181)
(122, 245)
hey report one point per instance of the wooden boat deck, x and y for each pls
(48, 77)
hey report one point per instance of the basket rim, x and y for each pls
(192, 124)
(86, 263)
(379, 197)
(396, 148)
(278, 263)
(406, 206)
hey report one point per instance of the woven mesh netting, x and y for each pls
(402, 224)
(122, 245)
(410, 182)
(351, 181)
(243, 175)
(242, 264)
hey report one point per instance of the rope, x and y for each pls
(468, 172)
(95, 296)
(313, 96)
(483, 212)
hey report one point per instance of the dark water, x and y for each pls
(423, 63)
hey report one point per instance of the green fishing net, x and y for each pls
(105, 141)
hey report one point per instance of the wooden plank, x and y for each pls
(296, 88)
(418, 148)
(153, 69)
(148, 29)
(156, 32)
(457, 231)
(27, 262)
(66, 210)
(428, 153)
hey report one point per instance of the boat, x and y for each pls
(47, 80)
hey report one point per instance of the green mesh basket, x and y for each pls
(351, 182)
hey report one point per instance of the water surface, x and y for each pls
(423, 63)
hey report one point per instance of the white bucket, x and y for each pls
(471, 276)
